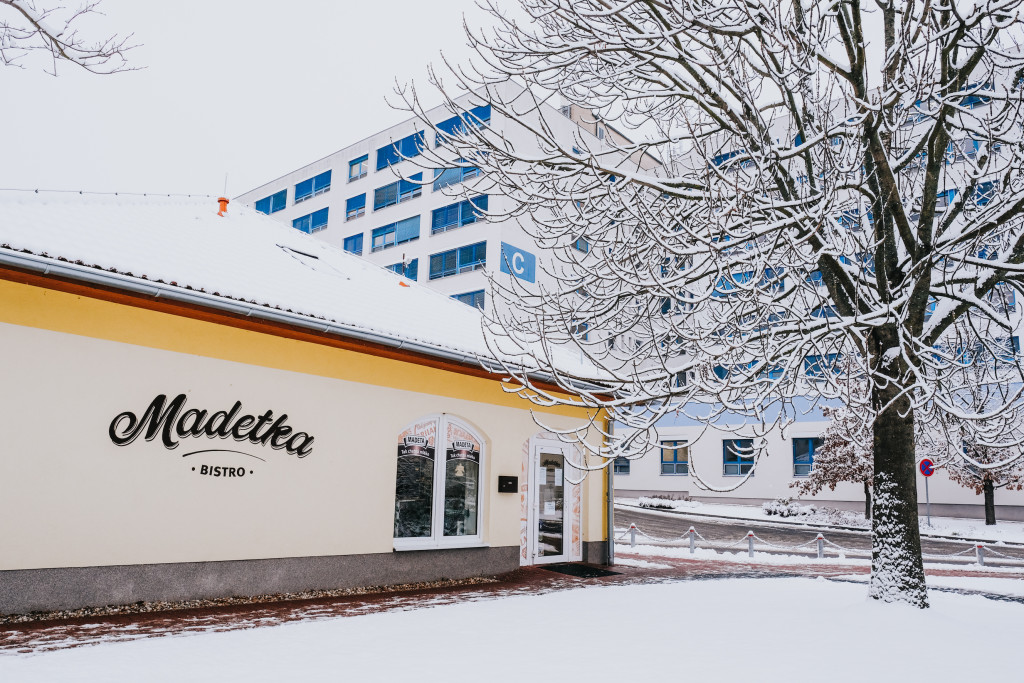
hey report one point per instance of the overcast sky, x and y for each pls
(251, 88)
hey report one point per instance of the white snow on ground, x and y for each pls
(728, 630)
(968, 529)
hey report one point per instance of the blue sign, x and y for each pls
(927, 467)
(518, 263)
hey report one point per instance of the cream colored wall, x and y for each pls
(73, 498)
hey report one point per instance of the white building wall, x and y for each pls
(774, 474)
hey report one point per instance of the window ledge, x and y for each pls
(407, 545)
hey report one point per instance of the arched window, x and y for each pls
(437, 487)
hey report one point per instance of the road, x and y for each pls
(722, 531)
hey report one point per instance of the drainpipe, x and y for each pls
(609, 474)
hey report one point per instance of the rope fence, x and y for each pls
(750, 539)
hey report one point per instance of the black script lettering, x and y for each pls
(301, 444)
(243, 422)
(254, 433)
(168, 420)
(196, 429)
(280, 436)
(152, 420)
(223, 429)
(273, 430)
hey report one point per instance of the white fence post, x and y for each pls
(693, 539)
(632, 535)
(821, 547)
(750, 543)
(981, 554)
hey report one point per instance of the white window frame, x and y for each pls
(437, 539)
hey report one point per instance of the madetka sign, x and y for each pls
(169, 421)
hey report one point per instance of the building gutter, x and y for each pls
(157, 290)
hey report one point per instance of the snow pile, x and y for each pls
(632, 633)
(786, 507)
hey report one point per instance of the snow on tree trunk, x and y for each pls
(897, 570)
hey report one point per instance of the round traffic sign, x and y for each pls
(927, 467)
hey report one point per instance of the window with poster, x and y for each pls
(440, 462)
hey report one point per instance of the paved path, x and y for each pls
(673, 525)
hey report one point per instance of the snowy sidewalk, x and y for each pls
(641, 565)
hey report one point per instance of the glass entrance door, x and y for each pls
(549, 514)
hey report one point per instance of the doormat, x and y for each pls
(580, 571)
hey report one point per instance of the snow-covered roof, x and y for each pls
(243, 256)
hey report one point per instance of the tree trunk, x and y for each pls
(897, 569)
(990, 502)
(867, 500)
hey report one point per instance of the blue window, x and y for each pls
(357, 168)
(803, 455)
(816, 278)
(818, 365)
(406, 148)
(470, 257)
(580, 330)
(772, 279)
(409, 270)
(395, 233)
(984, 192)
(476, 117)
(443, 177)
(976, 99)
(675, 457)
(825, 311)
(621, 465)
(849, 219)
(355, 206)
(458, 214)
(737, 457)
(354, 244)
(273, 203)
(581, 245)
(474, 299)
(944, 199)
(398, 191)
(725, 157)
(929, 310)
(311, 222)
(318, 184)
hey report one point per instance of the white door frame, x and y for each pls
(538, 447)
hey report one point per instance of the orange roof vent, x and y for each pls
(223, 205)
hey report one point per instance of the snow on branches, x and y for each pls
(27, 27)
(837, 184)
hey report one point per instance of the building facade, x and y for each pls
(373, 199)
(182, 425)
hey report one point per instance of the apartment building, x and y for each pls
(374, 198)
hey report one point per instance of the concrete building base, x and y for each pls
(35, 590)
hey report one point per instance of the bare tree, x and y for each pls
(27, 27)
(839, 184)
